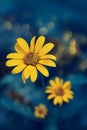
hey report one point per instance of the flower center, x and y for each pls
(59, 92)
(40, 111)
(31, 58)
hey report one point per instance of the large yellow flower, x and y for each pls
(40, 111)
(61, 92)
(30, 59)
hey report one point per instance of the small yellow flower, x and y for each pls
(59, 91)
(40, 111)
(30, 59)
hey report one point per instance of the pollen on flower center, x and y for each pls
(31, 58)
(40, 111)
(59, 92)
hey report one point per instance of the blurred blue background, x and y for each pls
(65, 24)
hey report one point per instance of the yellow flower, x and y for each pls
(59, 91)
(30, 59)
(40, 111)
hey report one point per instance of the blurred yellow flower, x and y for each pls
(59, 91)
(30, 59)
(40, 111)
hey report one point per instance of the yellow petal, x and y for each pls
(70, 96)
(52, 83)
(18, 68)
(15, 55)
(21, 43)
(57, 80)
(65, 99)
(69, 91)
(47, 62)
(49, 56)
(32, 43)
(14, 62)
(33, 75)
(58, 100)
(61, 82)
(43, 70)
(67, 85)
(39, 43)
(46, 48)
(27, 72)
(23, 78)
(19, 49)
(49, 87)
(49, 91)
(51, 96)
(55, 101)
